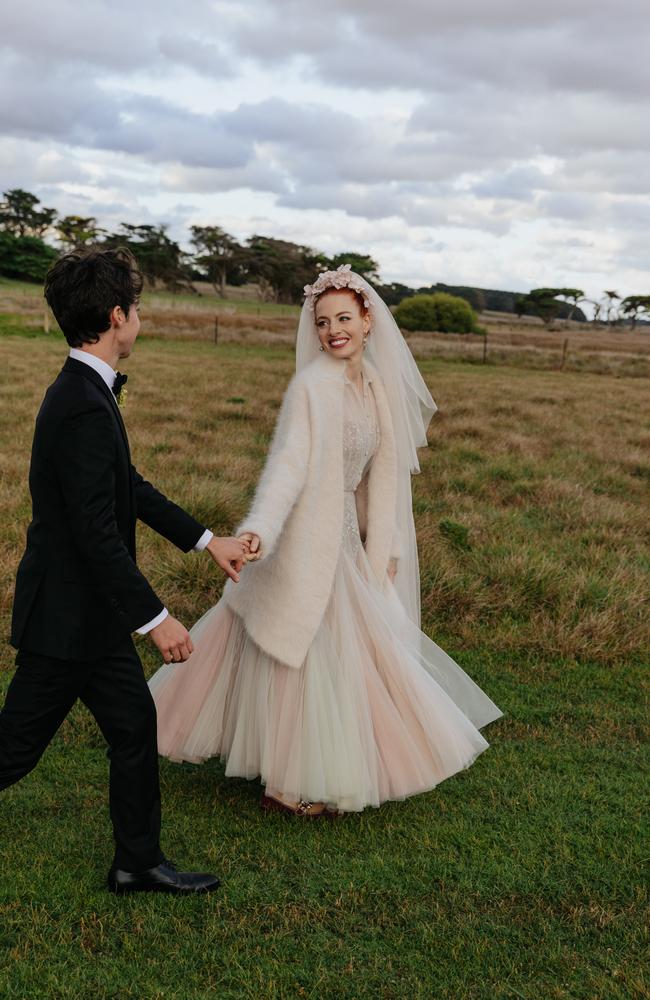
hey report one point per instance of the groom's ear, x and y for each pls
(117, 316)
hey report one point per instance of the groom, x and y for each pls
(79, 593)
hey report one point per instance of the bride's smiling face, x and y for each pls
(341, 324)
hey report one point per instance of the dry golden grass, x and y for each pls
(548, 474)
(531, 507)
(514, 342)
(526, 344)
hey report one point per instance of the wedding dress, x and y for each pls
(377, 711)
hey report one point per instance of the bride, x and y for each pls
(312, 673)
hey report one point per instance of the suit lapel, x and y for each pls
(120, 421)
(79, 368)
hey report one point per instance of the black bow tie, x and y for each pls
(119, 382)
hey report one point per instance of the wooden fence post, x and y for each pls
(565, 351)
(485, 338)
(46, 320)
(216, 330)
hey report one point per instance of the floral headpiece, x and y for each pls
(343, 277)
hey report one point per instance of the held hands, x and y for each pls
(253, 542)
(173, 640)
(230, 554)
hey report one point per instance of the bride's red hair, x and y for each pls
(363, 308)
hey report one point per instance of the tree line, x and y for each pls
(611, 309)
(279, 268)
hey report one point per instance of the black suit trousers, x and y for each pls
(42, 692)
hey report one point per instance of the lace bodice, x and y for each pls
(360, 433)
(360, 442)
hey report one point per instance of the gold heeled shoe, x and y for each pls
(269, 804)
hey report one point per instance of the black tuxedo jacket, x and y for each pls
(79, 591)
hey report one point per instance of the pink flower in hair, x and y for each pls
(343, 277)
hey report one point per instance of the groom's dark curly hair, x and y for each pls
(84, 285)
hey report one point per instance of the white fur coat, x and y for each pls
(298, 513)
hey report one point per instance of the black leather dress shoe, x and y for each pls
(163, 878)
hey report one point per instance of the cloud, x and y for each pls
(489, 130)
(76, 110)
(30, 164)
(101, 35)
(257, 175)
(573, 207)
(517, 183)
(295, 125)
(197, 54)
(566, 46)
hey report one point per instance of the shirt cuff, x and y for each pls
(154, 621)
(204, 540)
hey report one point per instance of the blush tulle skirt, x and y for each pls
(376, 712)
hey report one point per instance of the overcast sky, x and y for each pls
(501, 143)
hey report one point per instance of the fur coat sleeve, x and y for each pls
(285, 471)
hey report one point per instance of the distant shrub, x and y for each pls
(440, 311)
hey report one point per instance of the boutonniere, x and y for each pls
(119, 388)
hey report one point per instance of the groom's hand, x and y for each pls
(253, 545)
(173, 640)
(230, 554)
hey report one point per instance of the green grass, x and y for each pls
(518, 878)
(27, 288)
(31, 294)
(210, 301)
(19, 325)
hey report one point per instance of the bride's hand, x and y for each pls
(230, 554)
(253, 542)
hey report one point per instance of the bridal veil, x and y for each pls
(410, 401)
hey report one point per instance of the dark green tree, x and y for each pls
(280, 267)
(394, 292)
(521, 304)
(543, 302)
(160, 258)
(20, 216)
(76, 230)
(362, 264)
(573, 296)
(475, 296)
(25, 258)
(633, 306)
(217, 255)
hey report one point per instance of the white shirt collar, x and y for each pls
(100, 366)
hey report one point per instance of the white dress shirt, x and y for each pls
(108, 375)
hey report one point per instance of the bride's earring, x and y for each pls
(321, 348)
(365, 340)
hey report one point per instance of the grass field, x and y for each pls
(241, 319)
(519, 878)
